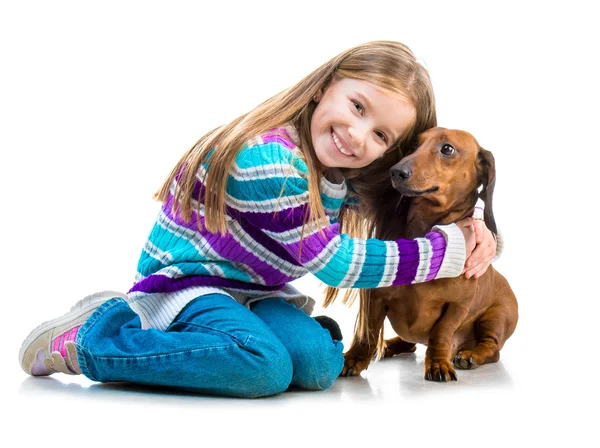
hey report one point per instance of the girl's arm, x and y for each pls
(268, 189)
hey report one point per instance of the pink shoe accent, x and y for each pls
(58, 343)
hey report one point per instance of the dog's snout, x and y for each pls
(401, 173)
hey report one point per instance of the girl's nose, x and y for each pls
(358, 135)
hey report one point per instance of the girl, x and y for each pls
(250, 207)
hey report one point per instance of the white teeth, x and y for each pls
(338, 145)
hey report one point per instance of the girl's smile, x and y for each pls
(340, 146)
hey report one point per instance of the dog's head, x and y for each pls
(447, 167)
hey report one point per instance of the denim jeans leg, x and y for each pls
(214, 346)
(317, 359)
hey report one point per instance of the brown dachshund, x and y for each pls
(464, 322)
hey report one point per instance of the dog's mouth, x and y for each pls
(403, 190)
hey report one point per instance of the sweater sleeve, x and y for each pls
(268, 189)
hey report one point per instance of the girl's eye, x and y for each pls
(381, 135)
(447, 149)
(358, 106)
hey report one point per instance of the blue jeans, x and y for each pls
(214, 346)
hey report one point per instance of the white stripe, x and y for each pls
(334, 191)
(425, 252)
(266, 171)
(268, 205)
(214, 269)
(391, 267)
(358, 259)
(169, 271)
(157, 254)
(293, 235)
(321, 259)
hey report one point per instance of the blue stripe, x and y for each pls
(265, 154)
(338, 265)
(372, 269)
(329, 202)
(265, 189)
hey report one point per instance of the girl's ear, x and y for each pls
(318, 96)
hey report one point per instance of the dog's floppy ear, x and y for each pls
(486, 168)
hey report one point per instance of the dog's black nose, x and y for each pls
(401, 173)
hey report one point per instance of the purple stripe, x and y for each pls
(162, 283)
(408, 252)
(198, 191)
(279, 136)
(438, 244)
(178, 218)
(280, 221)
(268, 243)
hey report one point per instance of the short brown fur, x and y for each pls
(464, 322)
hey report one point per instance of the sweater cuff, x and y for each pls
(455, 256)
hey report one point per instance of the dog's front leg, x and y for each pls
(438, 365)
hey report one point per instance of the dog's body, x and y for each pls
(464, 322)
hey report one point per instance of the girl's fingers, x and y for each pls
(478, 270)
(480, 253)
(483, 254)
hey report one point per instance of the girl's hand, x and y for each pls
(483, 254)
(467, 227)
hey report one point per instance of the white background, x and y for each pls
(98, 100)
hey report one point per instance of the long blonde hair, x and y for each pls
(390, 65)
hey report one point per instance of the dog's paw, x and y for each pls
(439, 370)
(465, 360)
(397, 346)
(353, 367)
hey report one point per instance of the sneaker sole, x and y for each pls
(87, 305)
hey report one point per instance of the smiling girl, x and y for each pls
(253, 205)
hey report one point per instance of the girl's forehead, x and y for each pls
(374, 89)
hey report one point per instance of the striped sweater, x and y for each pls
(266, 199)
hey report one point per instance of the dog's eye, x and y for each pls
(447, 150)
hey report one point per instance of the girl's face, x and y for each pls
(355, 122)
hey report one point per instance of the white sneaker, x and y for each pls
(50, 348)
